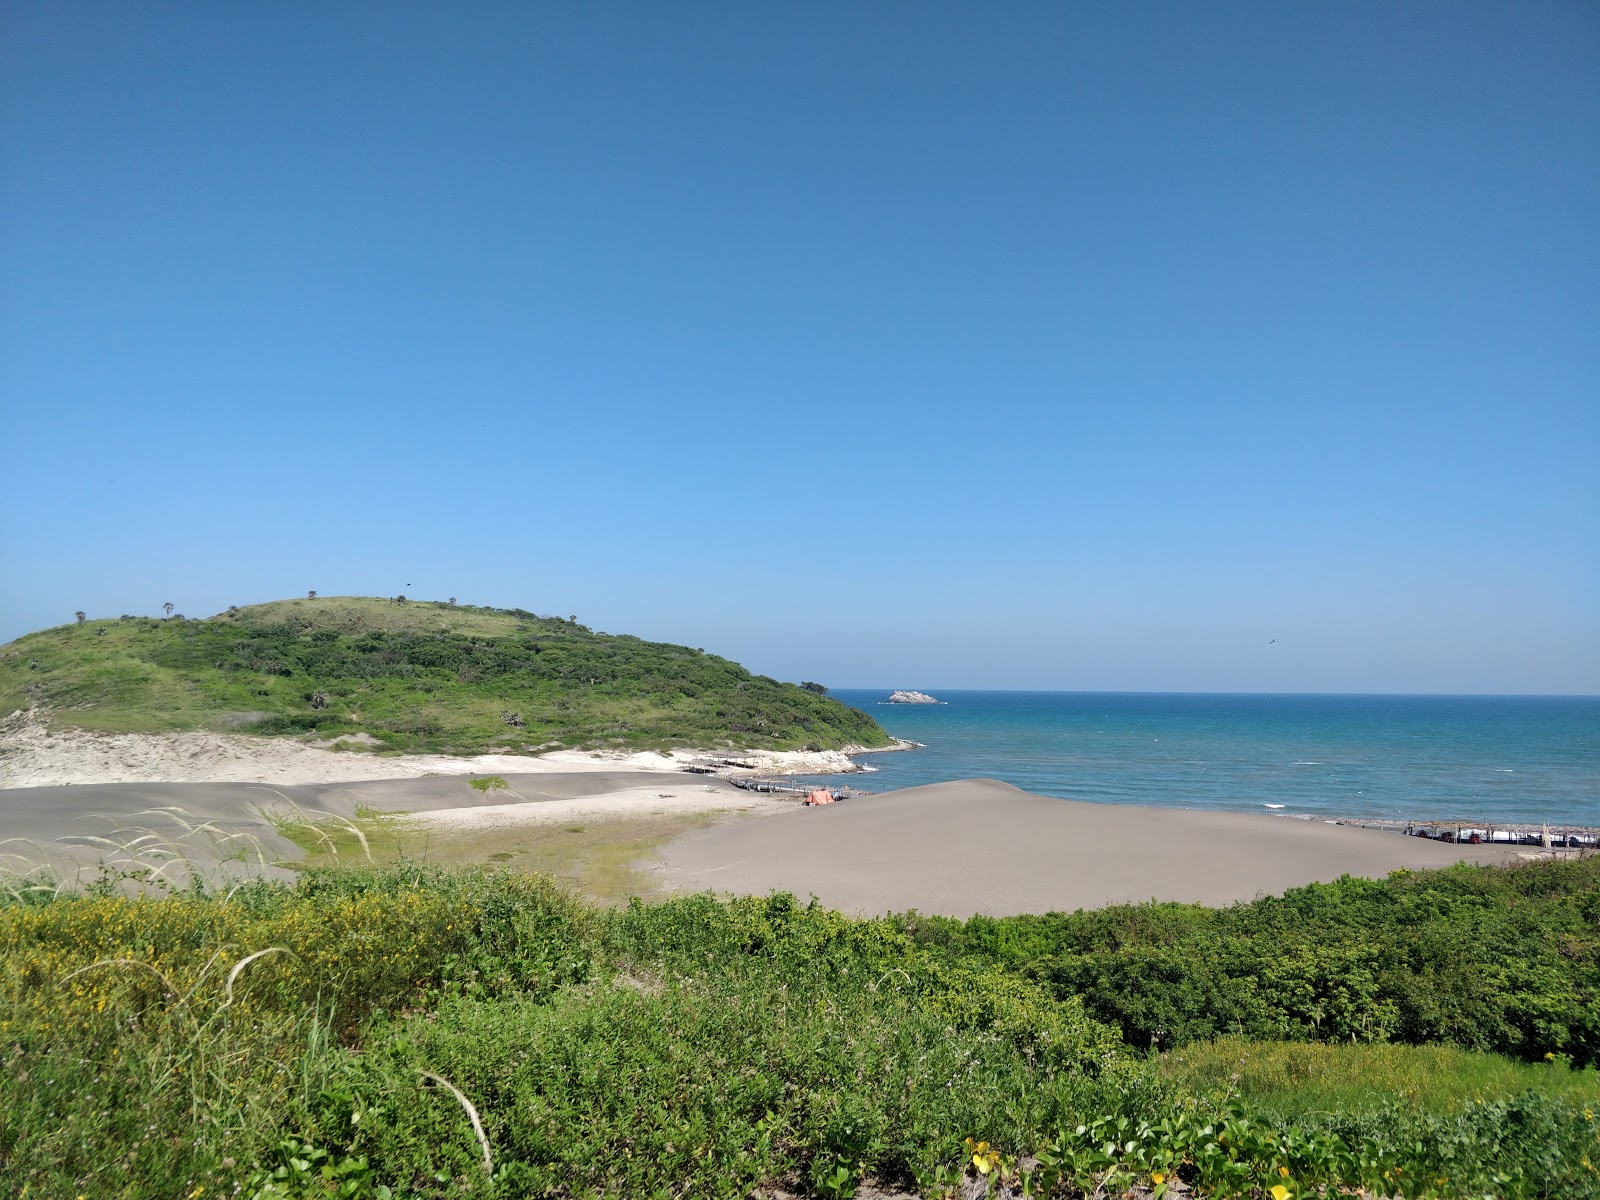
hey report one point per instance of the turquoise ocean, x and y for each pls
(1482, 759)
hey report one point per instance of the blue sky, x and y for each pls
(1027, 345)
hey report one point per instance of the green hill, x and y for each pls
(416, 676)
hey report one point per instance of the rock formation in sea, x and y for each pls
(913, 698)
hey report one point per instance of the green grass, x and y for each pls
(416, 676)
(604, 859)
(1293, 1079)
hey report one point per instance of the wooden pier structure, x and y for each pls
(785, 786)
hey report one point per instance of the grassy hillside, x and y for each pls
(416, 676)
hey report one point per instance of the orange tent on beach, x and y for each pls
(819, 796)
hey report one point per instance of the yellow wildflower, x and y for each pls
(983, 1157)
(1279, 1192)
(1157, 1178)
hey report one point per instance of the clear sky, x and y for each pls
(1079, 346)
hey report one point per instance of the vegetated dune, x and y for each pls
(419, 677)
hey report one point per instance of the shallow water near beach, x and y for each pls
(1482, 759)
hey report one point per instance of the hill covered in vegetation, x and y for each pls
(415, 676)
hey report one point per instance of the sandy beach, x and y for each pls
(34, 755)
(980, 846)
(975, 846)
(74, 799)
(75, 828)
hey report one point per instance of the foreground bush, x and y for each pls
(416, 1033)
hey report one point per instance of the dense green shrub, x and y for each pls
(1480, 957)
(280, 1041)
(1530, 1147)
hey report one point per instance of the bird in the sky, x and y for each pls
(1273, 642)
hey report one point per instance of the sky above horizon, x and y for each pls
(1226, 347)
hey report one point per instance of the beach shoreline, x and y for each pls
(954, 848)
(957, 849)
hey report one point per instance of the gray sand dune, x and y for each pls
(64, 825)
(33, 753)
(977, 846)
(981, 846)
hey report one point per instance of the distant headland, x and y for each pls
(369, 676)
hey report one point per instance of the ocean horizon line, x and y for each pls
(931, 689)
(1368, 755)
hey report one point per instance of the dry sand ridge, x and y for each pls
(33, 755)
